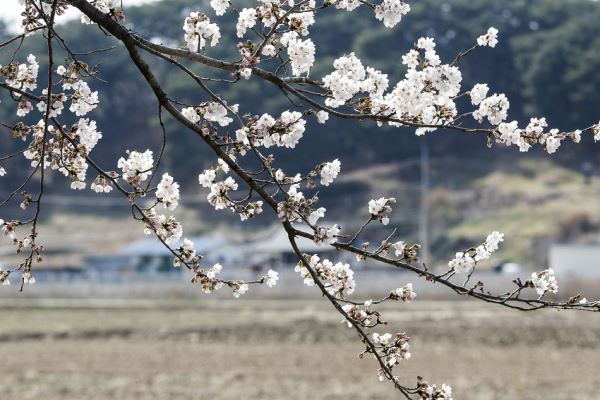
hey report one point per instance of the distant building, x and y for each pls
(147, 259)
(578, 260)
(275, 251)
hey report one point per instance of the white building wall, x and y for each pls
(575, 260)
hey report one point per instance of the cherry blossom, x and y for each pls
(489, 39)
(330, 171)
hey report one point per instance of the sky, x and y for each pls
(10, 11)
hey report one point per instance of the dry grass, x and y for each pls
(289, 350)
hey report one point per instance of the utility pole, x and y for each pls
(424, 206)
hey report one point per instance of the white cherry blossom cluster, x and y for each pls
(212, 111)
(4, 277)
(363, 316)
(220, 6)
(337, 278)
(167, 192)
(22, 76)
(302, 55)
(326, 235)
(489, 39)
(239, 288)
(285, 131)
(350, 78)
(83, 100)
(56, 108)
(186, 253)
(62, 155)
(106, 6)
(431, 392)
(381, 208)
(393, 348)
(209, 280)
(271, 278)
(137, 167)
(330, 171)
(219, 193)
(544, 281)
(199, 31)
(166, 228)
(388, 11)
(405, 293)
(219, 196)
(246, 20)
(391, 12)
(596, 132)
(101, 185)
(464, 262)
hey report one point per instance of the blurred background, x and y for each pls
(111, 318)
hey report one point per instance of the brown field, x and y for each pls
(286, 349)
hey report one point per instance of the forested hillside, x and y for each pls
(546, 62)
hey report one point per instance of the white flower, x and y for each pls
(83, 99)
(26, 75)
(4, 274)
(167, 192)
(246, 73)
(553, 141)
(136, 166)
(478, 93)
(544, 282)
(316, 215)
(220, 6)
(383, 340)
(405, 293)
(381, 208)
(391, 12)
(88, 135)
(272, 278)
(246, 19)
(28, 278)
(399, 248)
(269, 50)
(326, 235)
(426, 43)
(482, 253)
(223, 165)
(494, 108)
(345, 81)
(302, 55)
(463, 263)
(207, 178)
(322, 116)
(2, 173)
(509, 133)
(216, 112)
(596, 131)
(240, 289)
(348, 5)
(191, 114)
(218, 196)
(61, 70)
(330, 171)
(411, 59)
(489, 39)
(338, 278)
(492, 240)
(199, 30)
(25, 107)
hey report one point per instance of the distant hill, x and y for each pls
(547, 62)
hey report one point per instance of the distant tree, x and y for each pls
(274, 48)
